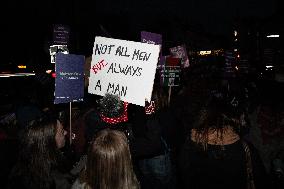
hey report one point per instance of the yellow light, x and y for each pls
(204, 52)
(22, 66)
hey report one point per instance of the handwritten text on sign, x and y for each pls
(123, 68)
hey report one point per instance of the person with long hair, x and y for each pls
(215, 156)
(109, 164)
(40, 156)
(108, 112)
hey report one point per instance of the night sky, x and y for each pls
(28, 25)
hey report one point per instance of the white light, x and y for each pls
(269, 66)
(4, 75)
(23, 74)
(48, 71)
(16, 74)
(269, 36)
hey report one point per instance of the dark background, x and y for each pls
(27, 25)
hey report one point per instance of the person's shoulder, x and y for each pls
(79, 185)
(61, 180)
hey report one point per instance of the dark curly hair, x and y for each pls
(111, 106)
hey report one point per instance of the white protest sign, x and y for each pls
(123, 68)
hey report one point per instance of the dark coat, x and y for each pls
(219, 167)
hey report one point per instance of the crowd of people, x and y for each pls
(201, 137)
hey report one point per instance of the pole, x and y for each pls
(70, 125)
(169, 97)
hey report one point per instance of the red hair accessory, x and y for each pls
(115, 120)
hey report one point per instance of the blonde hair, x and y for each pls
(109, 162)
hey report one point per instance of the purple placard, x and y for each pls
(61, 34)
(69, 80)
(180, 52)
(151, 38)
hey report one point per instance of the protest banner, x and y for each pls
(152, 38)
(69, 80)
(61, 34)
(180, 52)
(54, 49)
(123, 68)
(170, 72)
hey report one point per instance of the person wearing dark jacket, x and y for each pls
(143, 131)
(40, 161)
(215, 156)
(151, 144)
